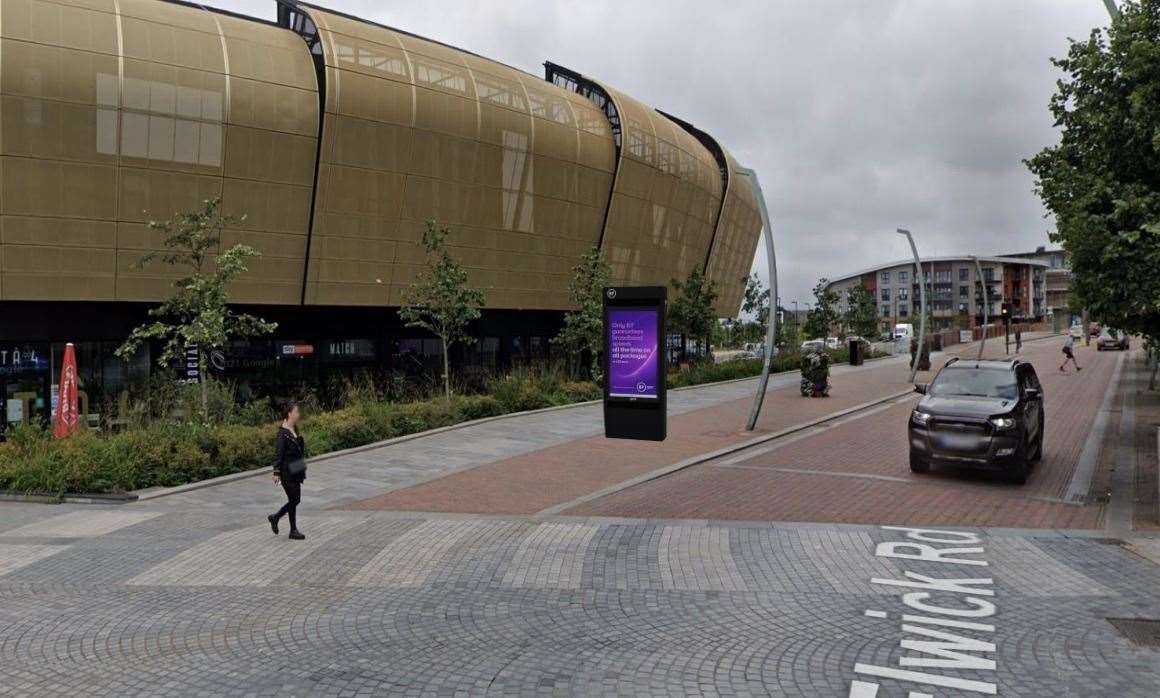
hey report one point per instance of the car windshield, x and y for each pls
(976, 382)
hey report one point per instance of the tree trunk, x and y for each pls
(446, 369)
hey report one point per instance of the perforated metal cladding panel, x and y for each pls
(518, 169)
(735, 241)
(667, 195)
(118, 113)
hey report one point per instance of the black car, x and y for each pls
(979, 414)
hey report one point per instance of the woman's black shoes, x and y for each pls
(273, 523)
(295, 535)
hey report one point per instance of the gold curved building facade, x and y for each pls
(337, 138)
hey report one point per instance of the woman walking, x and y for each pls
(289, 469)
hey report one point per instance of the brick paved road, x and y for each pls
(151, 601)
(540, 479)
(858, 472)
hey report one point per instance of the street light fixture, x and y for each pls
(922, 302)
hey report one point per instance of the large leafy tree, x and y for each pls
(440, 300)
(1102, 180)
(861, 312)
(691, 312)
(197, 315)
(583, 329)
(824, 316)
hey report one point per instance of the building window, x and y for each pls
(903, 277)
(885, 277)
(963, 273)
(885, 294)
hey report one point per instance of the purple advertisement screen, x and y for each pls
(633, 352)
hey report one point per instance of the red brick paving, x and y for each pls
(875, 445)
(541, 479)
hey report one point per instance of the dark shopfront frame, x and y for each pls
(506, 337)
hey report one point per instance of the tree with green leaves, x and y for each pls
(439, 300)
(691, 311)
(861, 312)
(583, 329)
(756, 301)
(197, 315)
(824, 315)
(1102, 180)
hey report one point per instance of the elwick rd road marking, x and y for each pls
(943, 619)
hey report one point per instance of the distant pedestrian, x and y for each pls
(1069, 353)
(289, 469)
(1018, 340)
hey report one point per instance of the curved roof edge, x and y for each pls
(947, 258)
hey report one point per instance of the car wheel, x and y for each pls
(917, 464)
(1020, 467)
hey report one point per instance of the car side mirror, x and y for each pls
(1031, 394)
(920, 388)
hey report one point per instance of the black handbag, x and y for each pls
(296, 468)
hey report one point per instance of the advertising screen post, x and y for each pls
(635, 363)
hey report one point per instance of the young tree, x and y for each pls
(1102, 180)
(756, 301)
(824, 315)
(583, 329)
(197, 315)
(691, 312)
(439, 300)
(862, 312)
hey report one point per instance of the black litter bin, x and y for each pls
(855, 352)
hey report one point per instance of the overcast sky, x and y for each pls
(860, 116)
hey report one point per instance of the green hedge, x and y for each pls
(162, 454)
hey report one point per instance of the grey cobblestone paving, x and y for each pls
(210, 603)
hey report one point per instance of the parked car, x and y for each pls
(813, 345)
(1076, 331)
(979, 414)
(1112, 339)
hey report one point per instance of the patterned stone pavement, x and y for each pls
(154, 601)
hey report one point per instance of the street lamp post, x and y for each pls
(986, 305)
(922, 300)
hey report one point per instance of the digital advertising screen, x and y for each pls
(633, 352)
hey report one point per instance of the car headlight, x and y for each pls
(1003, 422)
(920, 418)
